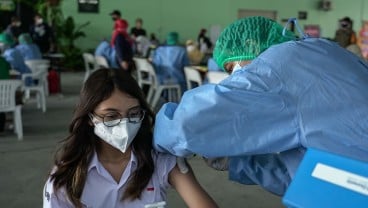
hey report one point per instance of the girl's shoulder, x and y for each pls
(164, 163)
(162, 160)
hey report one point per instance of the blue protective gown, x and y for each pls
(104, 49)
(16, 60)
(169, 62)
(212, 65)
(295, 95)
(29, 51)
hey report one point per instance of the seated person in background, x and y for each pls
(169, 61)
(12, 55)
(4, 74)
(195, 56)
(138, 30)
(27, 48)
(104, 49)
(14, 29)
(345, 36)
(154, 41)
(204, 43)
(4, 68)
(212, 65)
(143, 45)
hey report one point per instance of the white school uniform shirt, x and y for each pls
(101, 190)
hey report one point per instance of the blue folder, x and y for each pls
(328, 180)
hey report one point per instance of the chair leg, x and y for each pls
(43, 101)
(18, 126)
(178, 91)
(170, 95)
(46, 87)
(27, 94)
(86, 75)
(39, 99)
(150, 95)
(156, 97)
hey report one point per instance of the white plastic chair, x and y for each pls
(143, 75)
(7, 103)
(216, 77)
(37, 87)
(153, 97)
(89, 64)
(192, 75)
(43, 65)
(101, 62)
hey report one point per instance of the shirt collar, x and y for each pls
(96, 163)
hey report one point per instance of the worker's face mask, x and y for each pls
(119, 136)
(236, 67)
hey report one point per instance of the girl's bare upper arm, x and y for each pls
(190, 190)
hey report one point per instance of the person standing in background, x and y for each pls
(42, 34)
(121, 42)
(116, 17)
(14, 29)
(204, 42)
(138, 30)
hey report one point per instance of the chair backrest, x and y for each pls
(144, 66)
(38, 65)
(89, 61)
(101, 62)
(7, 94)
(192, 75)
(216, 77)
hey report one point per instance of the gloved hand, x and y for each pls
(182, 165)
(219, 163)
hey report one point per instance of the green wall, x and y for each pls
(188, 16)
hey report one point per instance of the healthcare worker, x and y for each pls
(12, 55)
(169, 61)
(27, 48)
(104, 49)
(283, 96)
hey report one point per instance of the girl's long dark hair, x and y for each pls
(73, 157)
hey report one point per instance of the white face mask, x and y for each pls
(119, 136)
(236, 67)
(39, 21)
(191, 48)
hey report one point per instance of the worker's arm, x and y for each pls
(243, 115)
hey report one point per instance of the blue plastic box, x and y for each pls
(328, 180)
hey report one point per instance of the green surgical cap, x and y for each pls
(6, 39)
(172, 38)
(25, 38)
(246, 38)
